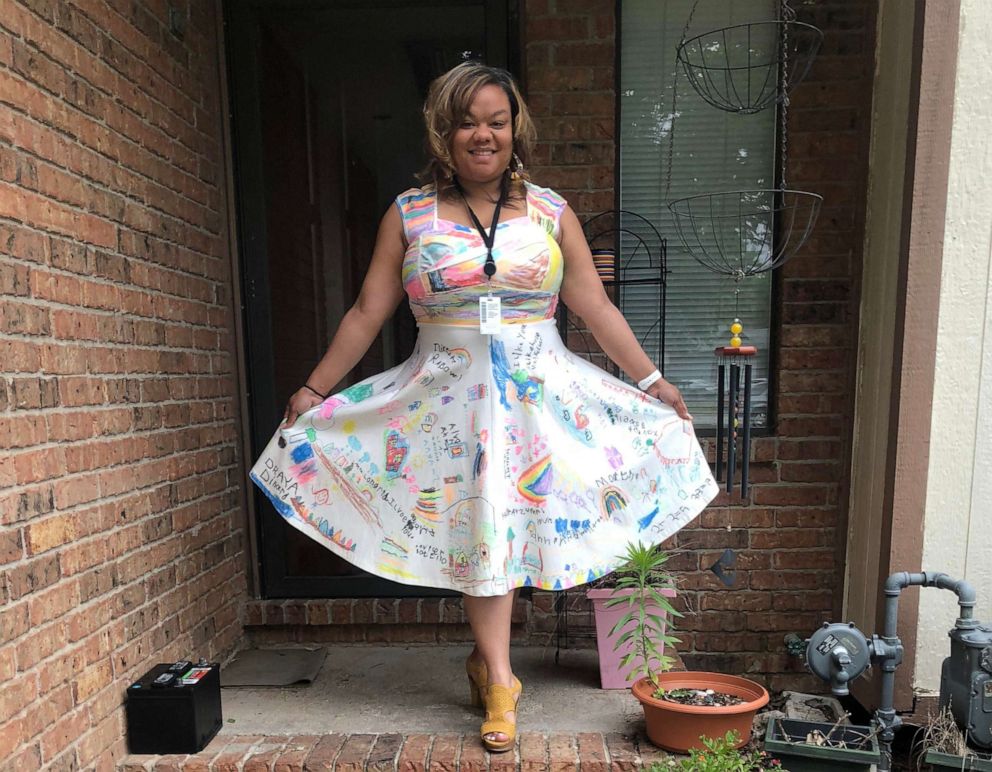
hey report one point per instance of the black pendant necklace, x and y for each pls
(489, 239)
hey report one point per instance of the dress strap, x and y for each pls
(416, 207)
(544, 207)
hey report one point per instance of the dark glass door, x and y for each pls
(326, 100)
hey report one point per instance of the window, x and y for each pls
(713, 151)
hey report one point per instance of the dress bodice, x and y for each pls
(443, 266)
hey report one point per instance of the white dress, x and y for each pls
(486, 462)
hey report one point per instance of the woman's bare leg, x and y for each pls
(490, 621)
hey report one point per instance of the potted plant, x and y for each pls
(680, 709)
(610, 596)
(946, 747)
(813, 746)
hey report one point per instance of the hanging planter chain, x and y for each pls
(671, 115)
(788, 15)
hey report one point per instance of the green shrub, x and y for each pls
(720, 755)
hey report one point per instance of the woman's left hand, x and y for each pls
(670, 395)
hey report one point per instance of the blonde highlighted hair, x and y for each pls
(448, 101)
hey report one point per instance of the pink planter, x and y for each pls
(611, 676)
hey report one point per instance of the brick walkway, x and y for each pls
(535, 752)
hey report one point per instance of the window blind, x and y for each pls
(712, 151)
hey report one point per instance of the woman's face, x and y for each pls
(483, 142)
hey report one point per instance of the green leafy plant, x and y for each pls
(720, 755)
(643, 572)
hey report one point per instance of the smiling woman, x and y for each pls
(476, 464)
(483, 142)
(477, 116)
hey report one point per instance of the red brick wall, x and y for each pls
(121, 542)
(789, 534)
(569, 80)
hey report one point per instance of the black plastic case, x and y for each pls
(173, 719)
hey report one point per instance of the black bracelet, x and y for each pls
(308, 386)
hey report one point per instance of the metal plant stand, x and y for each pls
(629, 252)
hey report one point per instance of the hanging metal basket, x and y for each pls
(745, 232)
(747, 67)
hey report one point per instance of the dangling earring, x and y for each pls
(516, 167)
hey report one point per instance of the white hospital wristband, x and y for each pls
(649, 381)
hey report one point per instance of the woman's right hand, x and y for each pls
(302, 401)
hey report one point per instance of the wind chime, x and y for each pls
(730, 359)
(742, 233)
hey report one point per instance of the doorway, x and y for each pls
(326, 131)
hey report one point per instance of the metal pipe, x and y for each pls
(889, 650)
(746, 439)
(896, 583)
(731, 428)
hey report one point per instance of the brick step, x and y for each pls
(534, 752)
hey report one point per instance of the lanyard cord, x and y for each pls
(489, 239)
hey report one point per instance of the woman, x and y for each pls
(492, 458)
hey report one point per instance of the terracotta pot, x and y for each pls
(676, 727)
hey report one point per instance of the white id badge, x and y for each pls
(490, 315)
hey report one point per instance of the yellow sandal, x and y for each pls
(477, 677)
(500, 700)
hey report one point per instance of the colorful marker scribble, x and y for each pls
(535, 482)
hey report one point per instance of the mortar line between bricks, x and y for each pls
(430, 752)
(102, 186)
(107, 407)
(56, 305)
(100, 121)
(395, 765)
(249, 754)
(63, 134)
(126, 78)
(113, 497)
(151, 261)
(176, 87)
(104, 439)
(26, 337)
(97, 599)
(117, 313)
(337, 753)
(174, 219)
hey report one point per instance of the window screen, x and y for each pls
(712, 151)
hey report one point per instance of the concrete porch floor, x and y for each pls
(407, 708)
(423, 689)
